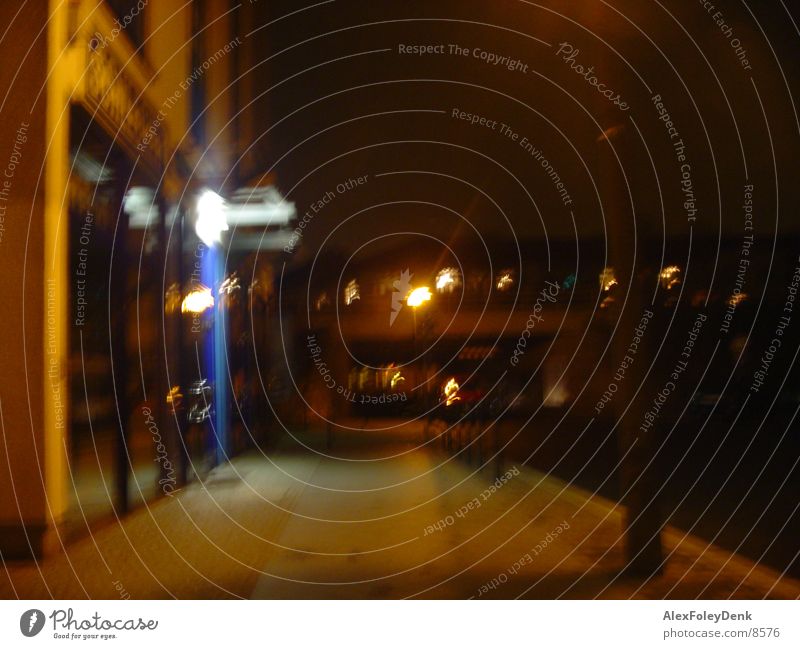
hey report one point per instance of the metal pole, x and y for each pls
(118, 306)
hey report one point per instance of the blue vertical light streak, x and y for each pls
(215, 355)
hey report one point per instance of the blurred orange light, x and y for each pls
(670, 276)
(505, 281)
(608, 279)
(451, 392)
(198, 300)
(419, 296)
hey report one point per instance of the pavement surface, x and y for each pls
(378, 516)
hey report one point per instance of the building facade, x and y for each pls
(115, 115)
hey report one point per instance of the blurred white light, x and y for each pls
(139, 204)
(211, 222)
(448, 279)
(260, 206)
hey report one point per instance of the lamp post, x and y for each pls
(416, 298)
(640, 466)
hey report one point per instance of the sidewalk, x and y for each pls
(298, 525)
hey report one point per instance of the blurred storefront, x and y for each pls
(125, 110)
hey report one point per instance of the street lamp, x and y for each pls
(211, 221)
(418, 296)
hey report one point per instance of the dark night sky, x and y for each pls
(341, 107)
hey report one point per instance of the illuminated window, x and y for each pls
(505, 280)
(448, 280)
(351, 292)
(670, 277)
